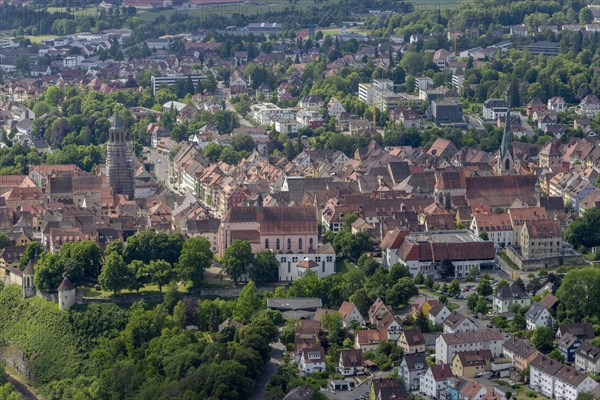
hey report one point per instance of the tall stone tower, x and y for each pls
(119, 160)
(506, 159)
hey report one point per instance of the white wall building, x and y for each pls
(448, 344)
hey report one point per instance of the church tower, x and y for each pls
(27, 283)
(506, 159)
(119, 160)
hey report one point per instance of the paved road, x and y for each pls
(352, 394)
(260, 386)
(22, 389)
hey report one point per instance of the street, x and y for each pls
(163, 170)
(260, 386)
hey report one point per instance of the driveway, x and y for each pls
(260, 386)
(21, 388)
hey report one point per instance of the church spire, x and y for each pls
(506, 158)
(506, 145)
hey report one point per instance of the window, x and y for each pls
(300, 244)
(266, 243)
(294, 259)
(289, 244)
(310, 243)
(277, 245)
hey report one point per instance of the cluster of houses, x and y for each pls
(465, 355)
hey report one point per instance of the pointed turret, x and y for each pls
(116, 121)
(506, 158)
(506, 145)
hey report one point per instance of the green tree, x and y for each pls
(472, 301)
(585, 16)
(264, 268)
(419, 278)
(81, 260)
(446, 269)
(543, 338)
(243, 143)
(484, 235)
(247, 304)
(332, 322)
(196, 256)
(161, 273)
(482, 306)
(557, 355)
(401, 292)
(428, 281)
(485, 287)
(33, 250)
(48, 272)
(238, 257)
(114, 275)
(454, 287)
(421, 321)
(583, 231)
(578, 293)
(4, 240)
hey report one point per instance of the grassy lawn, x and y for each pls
(149, 290)
(89, 11)
(335, 31)
(343, 266)
(251, 8)
(34, 39)
(429, 292)
(510, 262)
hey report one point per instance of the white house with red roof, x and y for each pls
(350, 313)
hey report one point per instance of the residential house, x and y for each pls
(509, 295)
(423, 304)
(589, 106)
(412, 341)
(537, 316)
(312, 360)
(351, 362)
(335, 108)
(367, 339)
(583, 331)
(567, 345)
(587, 358)
(469, 364)
(412, 368)
(541, 239)
(433, 382)
(408, 118)
(519, 30)
(387, 389)
(351, 314)
(457, 322)
(378, 310)
(389, 327)
(555, 380)
(438, 313)
(424, 252)
(557, 104)
(520, 351)
(494, 109)
(311, 102)
(237, 84)
(448, 344)
(535, 105)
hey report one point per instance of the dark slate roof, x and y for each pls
(66, 285)
(29, 268)
(415, 359)
(294, 303)
(511, 292)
